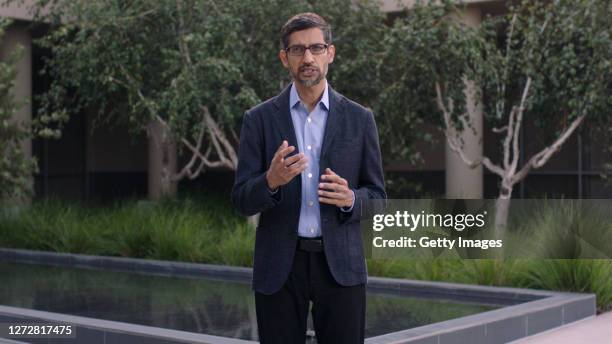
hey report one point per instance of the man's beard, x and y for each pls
(308, 82)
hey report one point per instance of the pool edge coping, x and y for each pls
(558, 308)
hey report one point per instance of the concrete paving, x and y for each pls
(595, 330)
(9, 341)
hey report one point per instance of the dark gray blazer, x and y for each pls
(350, 148)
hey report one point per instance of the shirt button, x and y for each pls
(312, 230)
(309, 147)
(309, 120)
(310, 203)
(309, 175)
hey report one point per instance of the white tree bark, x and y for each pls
(218, 142)
(508, 172)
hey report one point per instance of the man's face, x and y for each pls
(307, 69)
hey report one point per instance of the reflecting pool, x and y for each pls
(189, 304)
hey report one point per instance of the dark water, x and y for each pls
(195, 305)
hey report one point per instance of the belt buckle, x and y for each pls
(311, 245)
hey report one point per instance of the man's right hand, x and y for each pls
(282, 169)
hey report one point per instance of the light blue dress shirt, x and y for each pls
(309, 130)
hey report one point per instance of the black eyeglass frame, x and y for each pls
(325, 46)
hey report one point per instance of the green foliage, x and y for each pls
(209, 231)
(564, 46)
(133, 61)
(571, 229)
(237, 249)
(15, 168)
(357, 27)
(139, 60)
(584, 276)
(359, 30)
(186, 230)
(422, 48)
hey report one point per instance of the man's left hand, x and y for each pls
(334, 189)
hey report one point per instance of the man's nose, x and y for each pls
(308, 56)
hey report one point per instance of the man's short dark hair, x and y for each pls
(304, 21)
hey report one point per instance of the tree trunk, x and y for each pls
(253, 220)
(162, 162)
(502, 207)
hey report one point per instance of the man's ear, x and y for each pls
(282, 55)
(331, 52)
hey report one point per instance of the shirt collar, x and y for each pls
(294, 98)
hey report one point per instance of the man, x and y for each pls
(307, 159)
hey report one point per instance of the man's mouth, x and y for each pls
(309, 70)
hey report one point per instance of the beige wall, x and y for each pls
(397, 5)
(20, 10)
(17, 10)
(18, 35)
(461, 180)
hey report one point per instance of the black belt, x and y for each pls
(310, 244)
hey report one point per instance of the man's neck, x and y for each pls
(310, 95)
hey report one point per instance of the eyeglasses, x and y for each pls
(299, 50)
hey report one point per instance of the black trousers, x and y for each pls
(338, 312)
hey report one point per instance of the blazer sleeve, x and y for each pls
(250, 193)
(371, 180)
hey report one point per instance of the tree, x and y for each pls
(170, 67)
(16, 168)
(552, 66)
(183, 70)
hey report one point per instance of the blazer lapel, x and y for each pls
(283, 118)
(334, 118)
